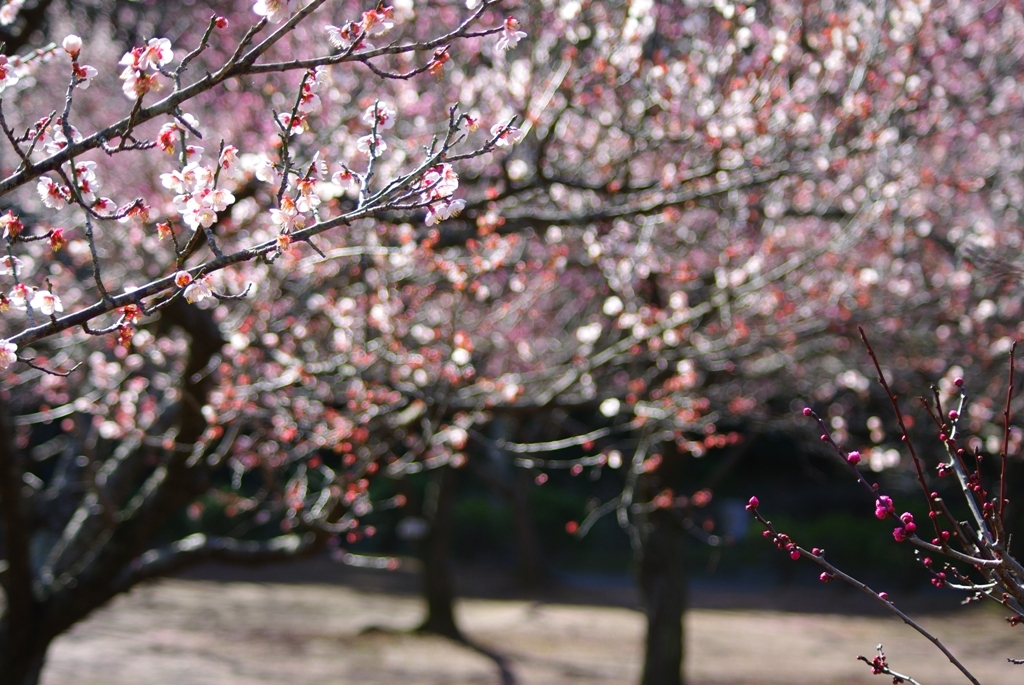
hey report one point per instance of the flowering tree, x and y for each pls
(129, 439)
(339, 240)
(972, 556)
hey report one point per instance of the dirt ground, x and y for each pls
(211, 632)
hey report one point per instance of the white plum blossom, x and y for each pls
(506, 135)
(274, 10)
(199, 289)
(510, 34)
(228, 157)
(46, 302)
(7, 75)
(262, 167)
(341, 36)
(377, 22)
(346, 179)
(85, 74)
(444, 209)
(219, 200)
(54, 196)
(19, 296)
(382, 113)
(287, 218)
(9, 266)
(57, 141)
(9, 12)
(439, 181)
(156, 53)
(372, 145)
(8, 353)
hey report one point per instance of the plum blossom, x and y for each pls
(228, 157)
(372, 145)
(104, 204)
(439, 181)
(444, 209)
(308, 200)
(57, 141)
(199, 289)
(506, 135)
(7, 75)
(12, 225)
(54, 196)
(137, 84)
(156, 53)
(380, 113)
(510, 34)
(19, 296)
(8, 353)
(377, 22)
(167, 137)
(345, 178)
(295, 125)
(274, 10)
(309, 101)
(9, 266)
(9, 12)
(266, 171)
(84, 74)
(57, 239)
(219, 199)
(46, 302)
(341, 37)
(287, 218)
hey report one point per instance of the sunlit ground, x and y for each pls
(201, 632)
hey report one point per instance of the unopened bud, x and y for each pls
(72, 45)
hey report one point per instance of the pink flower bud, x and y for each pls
(807, 411)
(884, 596)
(899, 534)
(72, 45)
(221, 23)
(825, 577)
(752, 503)
(959, 382)
(953, 415)
(794, 555)
(853, 458)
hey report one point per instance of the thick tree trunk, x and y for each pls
(663, 583)
(22, 654)
(438, 584)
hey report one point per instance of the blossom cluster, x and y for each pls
(137, 64)
(198, 200)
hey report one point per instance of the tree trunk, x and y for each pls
(438, 584)
(22, 654)
(663, 583)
